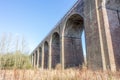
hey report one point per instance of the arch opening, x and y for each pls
(73, 47)
(33, 59)
(46, 56)
(55, 49)
(40, 56)
(36, 58)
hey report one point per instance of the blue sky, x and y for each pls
(33, 19)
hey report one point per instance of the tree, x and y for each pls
(13, 52)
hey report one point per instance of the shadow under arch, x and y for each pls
(40, 56)
(46, 56)
(72, 50)
(55, 47)
(36, 58)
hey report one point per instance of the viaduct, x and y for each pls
(100, 19)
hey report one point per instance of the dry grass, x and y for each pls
(70, 74)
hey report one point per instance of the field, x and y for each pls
(70, 74)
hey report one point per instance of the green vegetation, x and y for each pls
(14, 52)
(15, 61)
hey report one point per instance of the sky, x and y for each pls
(33, 19)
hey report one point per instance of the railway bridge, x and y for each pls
(100, 20)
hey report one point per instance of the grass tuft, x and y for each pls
(68, 74)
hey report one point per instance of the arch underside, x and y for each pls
(36, 55)
(55, 49)
(40, 57)
(73, 52)
(46, 51)
(33, 59)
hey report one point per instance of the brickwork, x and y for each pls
(113, 17)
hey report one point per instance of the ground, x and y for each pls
(70, 74)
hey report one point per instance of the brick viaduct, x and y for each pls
(100, 19)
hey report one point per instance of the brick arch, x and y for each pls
(46, 54)
(71, 41)
(55, 49)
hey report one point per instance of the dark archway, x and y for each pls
(73, 51)
(33, 58)
(46, 56)
(40, 56)
(36, 58)
(55, 49)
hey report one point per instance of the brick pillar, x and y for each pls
(108, 33)
(50, 56)
(42, 63)
(100, 36)
(93, 44)
(100, 53)
(62, 53)
(111, 14)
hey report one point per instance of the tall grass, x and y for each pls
(70, 74)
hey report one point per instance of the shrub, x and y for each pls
(15, 61)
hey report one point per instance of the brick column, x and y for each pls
(108, 38)
(62, 53)
(94, 37)
(100, 53)
(50, 56)
(42, 63)
(100, 35)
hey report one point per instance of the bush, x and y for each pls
(15, 61)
